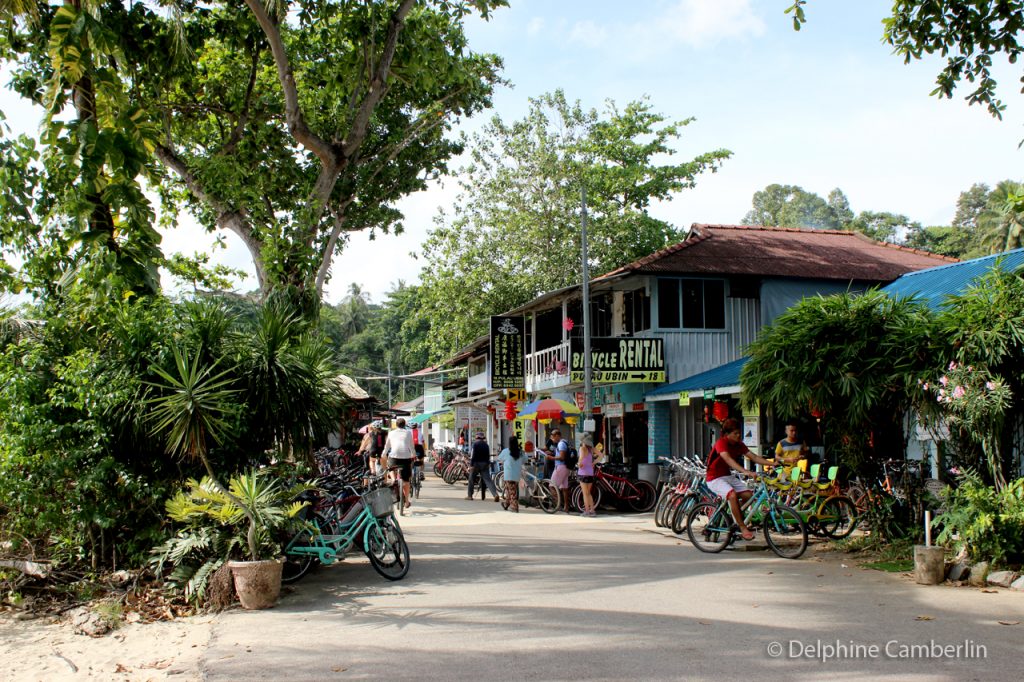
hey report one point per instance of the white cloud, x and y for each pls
(704, 23)
(535, 26)
(588, 34)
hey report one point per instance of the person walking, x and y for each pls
(398, 451)
(373, 451)
(585, 473)
(364, 448)
(480, 462)
(511, 459)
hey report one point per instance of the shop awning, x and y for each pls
(420, 418)
(725, 379)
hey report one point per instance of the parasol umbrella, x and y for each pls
(548, 408)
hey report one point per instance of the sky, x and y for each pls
(829, 106)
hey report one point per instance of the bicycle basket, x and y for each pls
(380, 501)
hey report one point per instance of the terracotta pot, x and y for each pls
(258, 583)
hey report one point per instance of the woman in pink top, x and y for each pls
(585, 473)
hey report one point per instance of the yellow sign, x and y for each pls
(684, 398)
(516, 394)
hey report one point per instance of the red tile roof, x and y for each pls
(783, 252)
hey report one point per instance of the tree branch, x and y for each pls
(243, 117)
(226, 218)
(377, 86)
(296, 122)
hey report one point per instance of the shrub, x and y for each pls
(985, 523)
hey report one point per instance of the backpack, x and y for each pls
(572, 458)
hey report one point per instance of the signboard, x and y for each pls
(516, 394)
(619, 360)
(684, 398)
(751, 433)
(580, 399)
(636, 407)
(709, 394)
(506, 353)
(613, 410)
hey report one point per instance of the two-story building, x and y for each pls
(669, 331)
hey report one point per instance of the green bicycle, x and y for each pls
(370, 524)
(711, 527)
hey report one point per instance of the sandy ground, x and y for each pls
(44, 651)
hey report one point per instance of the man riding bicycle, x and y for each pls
(725, 456)
(398, 451)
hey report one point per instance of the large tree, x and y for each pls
(793, 206)
(514, 231)
(291, 124)
(1001, 224)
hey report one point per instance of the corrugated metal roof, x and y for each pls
(935, 285)
(723, 375)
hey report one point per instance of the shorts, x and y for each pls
(405, 469)
(560, 478)
(586, 479)
(723, 485)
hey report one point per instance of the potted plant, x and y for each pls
(218, 531)
(192, 410)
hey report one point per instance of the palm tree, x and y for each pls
(355, 310)
(1002, 223)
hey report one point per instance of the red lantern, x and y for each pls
(721, 411)
(817, 412)
(510, 410)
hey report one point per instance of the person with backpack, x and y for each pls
(562, 458)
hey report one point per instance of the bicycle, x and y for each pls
(636, 494)
(369, 523)
(711, 526)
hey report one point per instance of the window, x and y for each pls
(668, 303)
(637, 311)
(691, 304)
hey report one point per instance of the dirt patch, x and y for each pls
(44, 649)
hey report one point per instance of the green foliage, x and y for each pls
(792, 206)
(856, 358)
(1001, 224)
(985, 523)
(514, 230)
(216, 526)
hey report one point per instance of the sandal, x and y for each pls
(749, 535)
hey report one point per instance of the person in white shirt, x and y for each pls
(398, 451)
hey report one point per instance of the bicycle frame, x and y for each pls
(333, 547)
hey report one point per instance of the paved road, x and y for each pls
(493, 595)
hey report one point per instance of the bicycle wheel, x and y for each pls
(643, 498)
(785, 532)
(387, 550)
(681, 513)
(297, 565)
(708, 525)
(837, 517)
(548, 497)
(661, 508)
(449, 474)
(499, 480)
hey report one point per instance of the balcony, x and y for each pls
(476, 383)
(548, 369)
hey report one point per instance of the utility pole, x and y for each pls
(587, 376)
